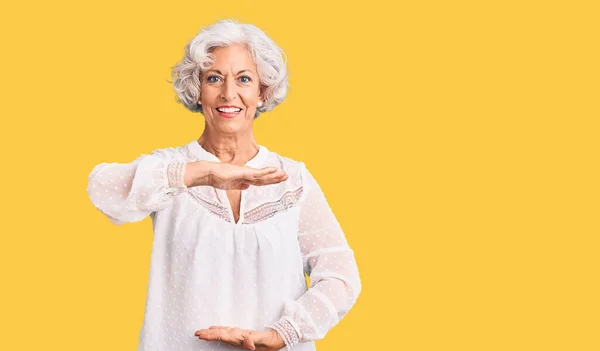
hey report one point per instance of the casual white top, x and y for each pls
(207, 270)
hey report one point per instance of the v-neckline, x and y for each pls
(231, 208)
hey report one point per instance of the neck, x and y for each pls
(236, 149)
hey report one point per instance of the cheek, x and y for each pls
(208, 93)
(250, 98)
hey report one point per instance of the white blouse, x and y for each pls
(207, 270)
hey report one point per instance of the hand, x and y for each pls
(264, 340)
(227, 176)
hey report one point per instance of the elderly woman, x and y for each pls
(235, 225)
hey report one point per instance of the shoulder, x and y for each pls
(285, 163)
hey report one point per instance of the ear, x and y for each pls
(261, 93)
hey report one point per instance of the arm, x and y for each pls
(329, 261)
(129, 192)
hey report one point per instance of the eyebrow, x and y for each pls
(216, 70)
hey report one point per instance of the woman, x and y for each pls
(235, 225)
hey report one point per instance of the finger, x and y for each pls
(271, 175)
(269, 169)
(209, 334)
(224, 334)
(271, 179)
(254, 174)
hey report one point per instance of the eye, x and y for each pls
(246, 77)
(211, 80)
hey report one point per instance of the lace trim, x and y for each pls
(260, 213)
(175, 173)
(270, 209)
(216, 209)
(287, 332)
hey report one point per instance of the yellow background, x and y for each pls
(456, 141)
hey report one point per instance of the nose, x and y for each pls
(228, 91)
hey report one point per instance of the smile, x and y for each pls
(228, 109)
(228, 112)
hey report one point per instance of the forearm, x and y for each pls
(197, 173)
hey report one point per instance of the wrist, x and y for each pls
(287, 332)
(276, 339)
(198, 173)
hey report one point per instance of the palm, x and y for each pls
(227, 176)
(266, 340)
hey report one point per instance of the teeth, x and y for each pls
(229, 110)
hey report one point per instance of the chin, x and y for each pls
(229, 127)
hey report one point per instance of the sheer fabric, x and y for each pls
(206, 269)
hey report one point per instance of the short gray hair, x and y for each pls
(270, 61)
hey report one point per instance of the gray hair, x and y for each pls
(266, 54)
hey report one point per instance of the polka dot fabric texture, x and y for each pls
(207, 269)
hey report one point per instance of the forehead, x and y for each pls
(235, 56)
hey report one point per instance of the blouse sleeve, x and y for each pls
(129, 192)
(329, 261)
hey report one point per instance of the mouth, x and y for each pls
(228, 111)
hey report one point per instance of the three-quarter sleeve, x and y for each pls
(129, 192)
(330, 263)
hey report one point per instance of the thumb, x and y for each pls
(249, 342)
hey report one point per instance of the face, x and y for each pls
(230, 90)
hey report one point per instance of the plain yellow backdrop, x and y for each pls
(456, 141)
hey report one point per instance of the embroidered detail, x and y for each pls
(216, 209)
(269, 209)
(260, 213)
(287, 332)
(175, 173)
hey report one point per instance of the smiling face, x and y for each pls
(230, 90)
